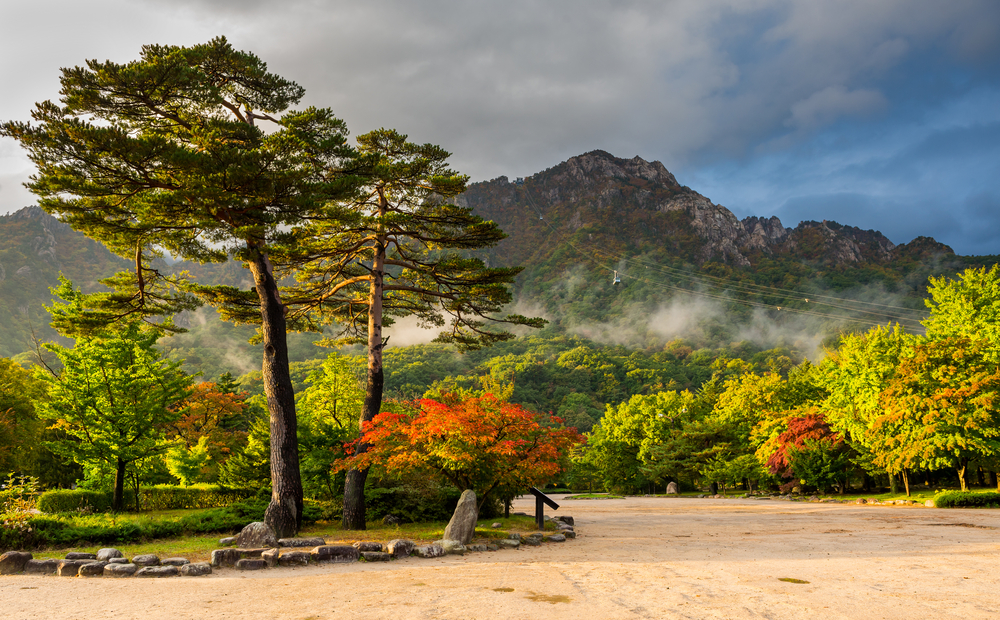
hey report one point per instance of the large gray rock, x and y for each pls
(103, 555)
(462, 526)
(451, 547)
(157, 571)
(301, 542)
(555, 538)
(227, 541)
(117, 561)
(41, 567)
(76, 555)
(428, 551)
(147, 559)
(229, 557)
(175, 561)
(673, 489)
(335, 553)
(375, 556)
(294, 558)
(367, 545)
(251, 564)
(92, 569)
(399, 547)
(569, 534)
(120, 570)
(196, 570)
(568, 520)
(13, 562)
(532, 539)
(70, 568)
(508, 543)
(255, 535)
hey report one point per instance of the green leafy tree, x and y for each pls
(20, 429)
(968, 306)
(170, 152)
(187, 462)
(401, 250)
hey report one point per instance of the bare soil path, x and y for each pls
(635, 558)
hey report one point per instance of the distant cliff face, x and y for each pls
(632, 202)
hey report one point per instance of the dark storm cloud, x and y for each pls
(759, 104)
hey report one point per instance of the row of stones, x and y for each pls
(860, 501)
(106, 562)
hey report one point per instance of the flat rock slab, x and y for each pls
(294, 558)
(70, 568)
(147, 559)
(117, 561)
(509, 543)
(555, 538)
(251, 564)
(476, 548)
(428, 551)
(196, 569)
(41, 567)
(375, 556)
(399, 547)
(13, 562)
(75, 555)
(120, 570)
(335, 553)
(175, 561)
(301, 542)
(109, 552)
(157, 571)
(227, 541)
(92, 569)
(368, 545)
(229, 557)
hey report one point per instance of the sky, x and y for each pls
(881, 115)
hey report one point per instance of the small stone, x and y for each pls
(270, 557)
(196, 570)
(257, 534)
(367, 545)
(568, 520)
(41, 567)
(120, 570)
(391, 520)
(497, 525)
(375, 556)
(294, 558)
(175, 561)
(399, 547)
(569, 534)
(251, 564)
(13, 562)
(75, 555)
(117, 561)
(335, 553)
(157, 571)
(70, 568)
(929, 503)
(227, 541)
(147, 559)
(514, 536)
(701, 495)
(532, 539)
(108, 553)
(492, 547)
(451, 547)
(555, 538)
(509, 543)
(92, 569)
(462, 526)
(476, 548)
(301, 542)
(428, 551)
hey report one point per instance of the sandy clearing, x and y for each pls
(635, 558)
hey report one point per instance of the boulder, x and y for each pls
(462, 526)
(301, 542)
(117, 561)
(229, 557)
(375, 556)
(271, 557)
(335, 553)
(196, 570)
(41, 567)
(428, 551)
(157, 571)
(175, 561)
(70, 568)
(367, 545)
(92, 569)
(508, 543)
(147, 559)
(399, 548)
(120, 570)
(103, 555)
(251, 564)
(13, 562)
(294, 558)
(555, 538)
(227, 541)
(255, 535)
(451, 547)
(75, 555)
(673, 489)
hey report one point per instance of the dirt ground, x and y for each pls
(634, 558)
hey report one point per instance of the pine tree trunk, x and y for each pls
(906, 481)
(962, 466)
(993, 480)
(118, 500)
(354, 486)
(284, 514)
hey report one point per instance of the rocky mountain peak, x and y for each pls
(597, 166)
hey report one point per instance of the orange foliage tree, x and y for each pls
(483, 444)
(215, 411)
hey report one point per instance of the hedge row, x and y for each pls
(967, 499)
(162, 497)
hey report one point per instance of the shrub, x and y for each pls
(160, 497)
(967, 499)
(76, 500)
(411, 504)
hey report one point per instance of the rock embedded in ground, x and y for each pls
(335, 553)
(294, 558)
(175, 561)
(108, 553)
(451, 547)
(41, 567)
(399, 547)
(428, 551)
(492, 547)
(227, 541)
(120, 570)
(508, 543)
(476, 548)
(514, 536)
(497, 525)
(196, 569)
(70, 568)
(315, 541)
(555, 538)
(270, 557)
(92, 569)
(251, 564)
(672, 489)
(117, 561)
(533, 539)
(229, 557)
(929, 503)
(157, 571)
(569, 534)
(256, 535)
(375, 556)
(367, 545)
(13, 562)
(462, 526)
(391, 520)
(146, 559)
(76, 555)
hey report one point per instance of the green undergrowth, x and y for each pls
(968, 499)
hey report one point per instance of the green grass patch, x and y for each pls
(595, 496)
